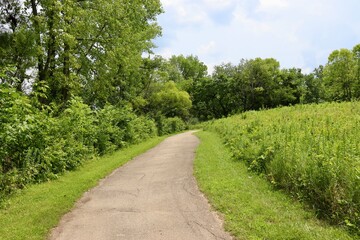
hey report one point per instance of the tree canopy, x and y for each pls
(78, 48)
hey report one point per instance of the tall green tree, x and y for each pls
(339, 75)
(169, 101)
(314, 91)
(17, 48)
(125, 33)
(187, 68)
(205, 101)
(356, 55)
(226, 97)
(251, 85)
(260, 81)
(185, 72)
(289, 89)
(79, 47)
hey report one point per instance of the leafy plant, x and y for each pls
(171, 125)
(311, 151)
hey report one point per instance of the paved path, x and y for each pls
(152, 197)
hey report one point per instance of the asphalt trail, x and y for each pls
(154, 197)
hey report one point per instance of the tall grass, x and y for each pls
(248, 204)
(312, 152)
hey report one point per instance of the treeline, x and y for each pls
(260, 84)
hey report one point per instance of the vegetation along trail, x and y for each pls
(155, 196)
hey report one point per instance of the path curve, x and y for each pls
(153, 197)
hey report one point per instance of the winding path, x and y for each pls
(153, 197)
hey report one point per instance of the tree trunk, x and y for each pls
(38, 40)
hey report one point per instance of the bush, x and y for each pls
(71, 137)
(37, 146)
(109, 134)
(118, 127)
(140, 129)
(171, 125)
(22, 139)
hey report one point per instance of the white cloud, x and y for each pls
(270, 5)
(253, 25)
(217, 4)
(195, 11)
(206, 4)
(166, 52)
(207, 48)
(185, 11)
(297, 33)
(172, 3)
(191, 14)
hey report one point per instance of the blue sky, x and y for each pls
(298, 33)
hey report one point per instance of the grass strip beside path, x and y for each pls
(251, 208)
(32, 213)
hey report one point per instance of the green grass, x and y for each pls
(250, 206)
(310, 151)
(31, 213)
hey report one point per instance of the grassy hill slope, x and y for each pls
(310, 151)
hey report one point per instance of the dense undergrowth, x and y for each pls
(310, 151)
(40, 144)
(248, 203)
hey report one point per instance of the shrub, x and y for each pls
(71, 137)
(171, 125)
(109, 136)
(22, 139)
(140, 129)
(37, 146)
(118, 127)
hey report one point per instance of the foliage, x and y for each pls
(19, 128)
(339, 75)
(140, 129)
(356, 58)
(119, 127)
(37, 145)
(78, 47)
(186, 69)
(109, 136)
(260, 84)
(171, 125)
(250, 207)
(169, 101)
(312, 152)
(314, 91)
(251, 85)
(69, 73)
(72, 136)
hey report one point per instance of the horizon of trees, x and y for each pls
(255, 84)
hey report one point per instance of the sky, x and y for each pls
(297, 33)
